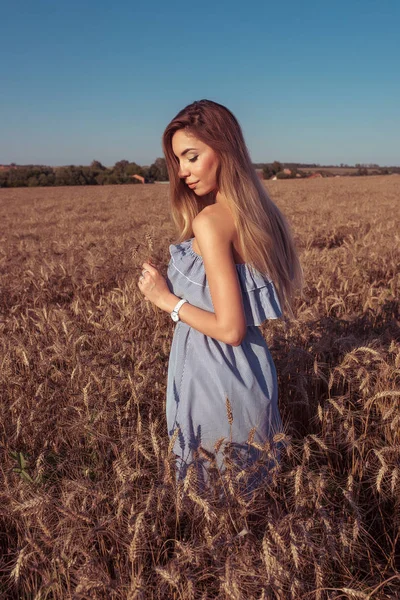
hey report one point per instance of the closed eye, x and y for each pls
(193, 159)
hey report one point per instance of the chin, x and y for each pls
(203, 192)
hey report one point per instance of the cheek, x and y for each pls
(210, 166)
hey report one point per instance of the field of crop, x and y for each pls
(89, 505)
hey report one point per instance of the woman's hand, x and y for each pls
(154, 286)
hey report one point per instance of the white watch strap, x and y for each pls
(177, 307)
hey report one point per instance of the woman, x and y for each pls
(234, 266)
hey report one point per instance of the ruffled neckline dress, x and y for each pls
(203, 371)
(260, 299)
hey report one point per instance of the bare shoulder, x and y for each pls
(217, 217)
(213, 237)
(215, 225)
(214, 232)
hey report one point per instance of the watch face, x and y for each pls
(174, 316)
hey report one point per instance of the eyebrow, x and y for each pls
(188, 150)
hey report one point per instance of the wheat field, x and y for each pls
(89, 505)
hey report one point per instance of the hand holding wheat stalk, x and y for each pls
(151, 283)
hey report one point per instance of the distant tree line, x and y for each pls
(129, 172)
(282, 171)
(296, 170)
(95, 174)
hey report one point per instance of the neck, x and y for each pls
(220, 199)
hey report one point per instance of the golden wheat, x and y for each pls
(90, 506)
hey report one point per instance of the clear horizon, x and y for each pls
(309, 84)
(284, 162)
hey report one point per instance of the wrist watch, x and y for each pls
(174, 314)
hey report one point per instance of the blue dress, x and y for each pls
(203, 372)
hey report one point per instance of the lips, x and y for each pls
(192, 184)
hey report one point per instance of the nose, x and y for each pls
(183, 172)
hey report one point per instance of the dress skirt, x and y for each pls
(221, 396)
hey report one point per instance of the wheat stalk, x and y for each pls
(229, 411)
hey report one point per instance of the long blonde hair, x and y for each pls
(263, 231)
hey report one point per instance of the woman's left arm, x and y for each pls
(227, 324)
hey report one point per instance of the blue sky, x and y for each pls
(309, 81)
